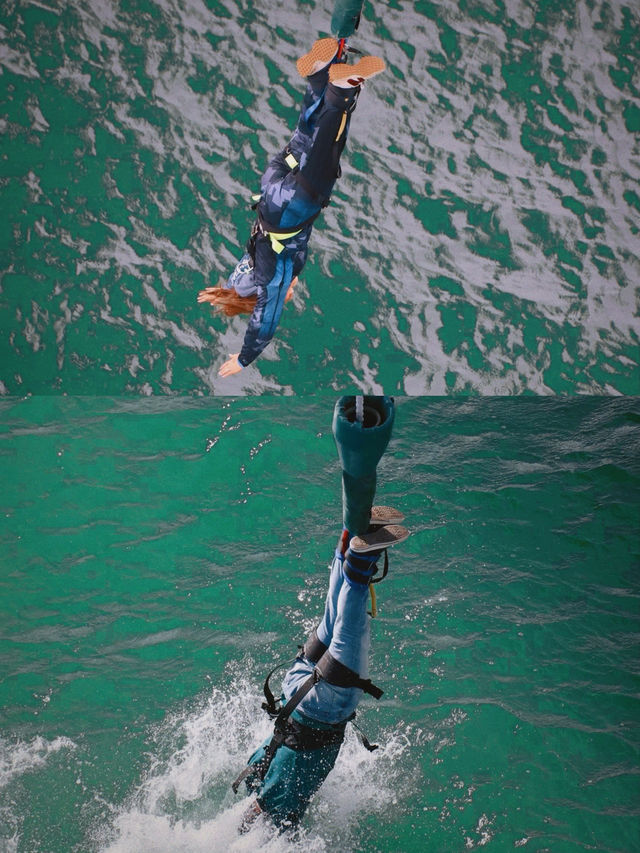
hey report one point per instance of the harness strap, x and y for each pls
(269, 230)
(374, 602)
(360, 568)
(343, 122)
(278, 246)
(385, 569)
(261, 767)
(327, 668)
(249, 770)
(314, 648)
(270, 705)
(372, 590)
(334, 672)
(276, 235)
(314, 106)
(303, 738)
(364, 740)
(296, 699)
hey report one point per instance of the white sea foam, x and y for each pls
(20, 757)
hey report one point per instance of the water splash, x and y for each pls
(185, 803)
(18, 759)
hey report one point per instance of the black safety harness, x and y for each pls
(296, 735)
(262, 228)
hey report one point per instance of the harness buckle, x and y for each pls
(272, 709)
(291, 161)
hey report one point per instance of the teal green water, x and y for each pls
(484, 236)
(158, 555)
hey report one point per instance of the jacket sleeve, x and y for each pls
(266, 314)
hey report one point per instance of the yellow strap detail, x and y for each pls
(342, 126)
(291, 161)
(276, 245)
(256, 197)
(374, 605)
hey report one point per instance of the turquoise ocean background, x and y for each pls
(161, 551)
(484, 236)
(160, 555)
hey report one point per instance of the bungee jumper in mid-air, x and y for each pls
(323, 687)
(295, 187)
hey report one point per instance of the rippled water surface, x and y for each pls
(484, 235)
(160, 555)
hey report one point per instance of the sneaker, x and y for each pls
(320, 55)
(354, 75)
(385, 515)
(379, 539)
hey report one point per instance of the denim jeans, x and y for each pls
(344, 629)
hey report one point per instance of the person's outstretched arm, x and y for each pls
(281, 272)
(266, 314)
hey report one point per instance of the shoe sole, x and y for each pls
(365, 68)
(322, 51)
(385, 515)
(392, 534)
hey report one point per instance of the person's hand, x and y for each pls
(289, 295)
(207, 295)
(231, 366)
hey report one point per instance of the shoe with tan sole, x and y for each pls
(320, 55)
(381, 515)
(354, 75)
(379, 539)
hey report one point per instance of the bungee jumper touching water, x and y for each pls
(295, 188)
(325, 683)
